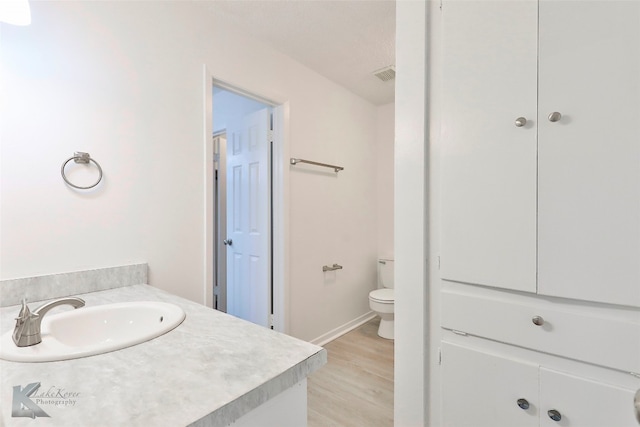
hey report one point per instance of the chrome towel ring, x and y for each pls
(84, 158)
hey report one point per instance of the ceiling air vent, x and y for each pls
(386, 73)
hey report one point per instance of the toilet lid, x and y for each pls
(382, 295)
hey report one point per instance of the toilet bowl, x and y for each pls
(381, 300)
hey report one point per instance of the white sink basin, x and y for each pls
(88, 331)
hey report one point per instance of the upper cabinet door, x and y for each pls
(589, 154)
(489, 157)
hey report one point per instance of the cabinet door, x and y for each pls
(480, 389)
(589, 160)
(489, 164)
(584, 403)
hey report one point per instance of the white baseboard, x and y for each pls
(341, 330)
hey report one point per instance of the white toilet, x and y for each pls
(381, 300)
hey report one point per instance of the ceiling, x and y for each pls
(343, 40)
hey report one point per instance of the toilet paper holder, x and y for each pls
(334, 267)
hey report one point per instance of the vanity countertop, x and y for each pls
(209, 371)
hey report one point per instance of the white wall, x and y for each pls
(333, 220)
(433, 100)
(123, 81)
(411, 231)
(384, 168)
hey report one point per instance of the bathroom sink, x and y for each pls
(88, 331)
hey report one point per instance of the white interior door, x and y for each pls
(248, 218)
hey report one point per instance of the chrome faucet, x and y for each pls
(27, 330)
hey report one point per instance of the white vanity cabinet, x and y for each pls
(541, 147)
(488, 390)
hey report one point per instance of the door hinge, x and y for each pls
(270, 135)
(439, 356)
(216, 147)
(438, 262)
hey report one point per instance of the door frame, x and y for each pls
(279, 196)
(220, 219)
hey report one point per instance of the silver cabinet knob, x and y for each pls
(228, 242)
(554, 415)
(523, 404)
(520, 121)
(555, 117)
(537, 320)
(636, 404)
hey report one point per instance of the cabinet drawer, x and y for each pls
(581, 333)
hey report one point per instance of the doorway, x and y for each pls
(246, 240)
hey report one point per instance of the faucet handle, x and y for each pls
(24, 311)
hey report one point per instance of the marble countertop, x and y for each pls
(209, 371)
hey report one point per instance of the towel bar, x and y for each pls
(335, 168)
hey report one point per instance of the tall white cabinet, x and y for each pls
(540, 210)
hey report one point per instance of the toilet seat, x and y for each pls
(384, 296)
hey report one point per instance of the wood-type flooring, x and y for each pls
(355, 387)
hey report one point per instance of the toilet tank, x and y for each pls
(385, 273)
